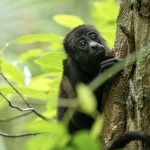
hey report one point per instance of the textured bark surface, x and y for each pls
(141, 78)
(127, 105)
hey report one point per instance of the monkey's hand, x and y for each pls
(108, 63)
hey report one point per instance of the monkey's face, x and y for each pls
(88, 48)
(85, 45)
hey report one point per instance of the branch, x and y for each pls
(14, 88)
(16, 117)
(18, 135)
(30, 108)
(14, 106)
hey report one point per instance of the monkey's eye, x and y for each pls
(82, 44)
(93, 36)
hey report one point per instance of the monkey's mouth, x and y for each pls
(99, 53)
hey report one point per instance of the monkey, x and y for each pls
(87, 57)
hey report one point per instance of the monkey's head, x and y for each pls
(85, 45)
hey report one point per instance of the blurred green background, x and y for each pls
(31, 55)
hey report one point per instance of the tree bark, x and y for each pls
(127, 106)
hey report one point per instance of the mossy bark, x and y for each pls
(127, 106)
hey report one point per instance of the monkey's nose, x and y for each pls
(94, 45)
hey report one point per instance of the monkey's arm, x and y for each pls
(66, 92)
(126, 138)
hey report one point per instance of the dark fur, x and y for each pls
(82, 66)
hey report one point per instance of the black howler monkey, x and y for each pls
(87, 57)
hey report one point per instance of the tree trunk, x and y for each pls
(127, 105)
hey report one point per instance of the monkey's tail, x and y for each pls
(127, 137)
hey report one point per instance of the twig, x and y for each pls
(14, 106)
(16, 117)
(18, 135)
(30, 108)
(13, 87)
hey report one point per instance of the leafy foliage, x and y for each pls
(36, 73)
(87, 101)
(104, 14)
(69, 21)
(52, 60)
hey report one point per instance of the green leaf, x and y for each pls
(97, 126)
(39, 38)
(56, 45)
(47, 83)
(87, 100)
(25, 91)
(2, 103)
(30, 54)
(54, 90)
(109, 8)
(52, 60)
(50, 139)
(69, 21)
(84, 141)
(12, 72)
(50, 85)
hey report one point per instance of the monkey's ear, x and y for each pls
(67, 47)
